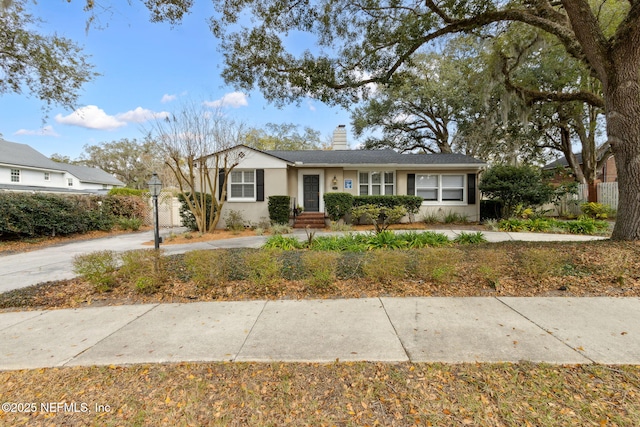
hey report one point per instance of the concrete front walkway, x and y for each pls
(450, 330)
(56, 262)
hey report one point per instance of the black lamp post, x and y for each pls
(155, 186)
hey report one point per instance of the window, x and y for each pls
(376, 183)
(15, 175)
(440, 188)
(47, 176)
(70, 182)
(452, 188)
(242, 185)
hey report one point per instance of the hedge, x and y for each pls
(411, 203)
(279, 209)
(338, 205)
(36, 215)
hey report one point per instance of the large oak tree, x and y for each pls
(367, 41)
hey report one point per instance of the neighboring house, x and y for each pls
(24, 169)
(608, 172)
(447, 182)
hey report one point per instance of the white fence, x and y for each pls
(168, 210)
(607, 195)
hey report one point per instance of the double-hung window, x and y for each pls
(376, 183)
(47, 176)
(242, 185)
(15, 175)
(440, 188)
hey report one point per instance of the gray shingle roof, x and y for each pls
(22, 155)
(371, 157)
(563, 162)
(13, 153)
(94, 175)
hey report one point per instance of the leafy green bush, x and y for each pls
(470, 238)
(133, 223)
(188, 219)
(126, 206)
(35, 215)
(596, 210)
(279, 208)
(380, 217)
(337, 205)
(410, 203)
(515, 185)
(126, 191)
(385, 240)
(285, 243)
(97, 268)
(414, 239)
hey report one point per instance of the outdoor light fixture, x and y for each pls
(155, 186)
(334, 181)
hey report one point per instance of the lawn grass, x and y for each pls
(341, 394)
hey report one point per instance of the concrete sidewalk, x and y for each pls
(450, 330)
(56, 262)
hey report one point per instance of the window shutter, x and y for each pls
(260, 185)
(411, 184)
(471, 189)
(221, 183)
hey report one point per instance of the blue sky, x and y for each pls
(146, 70)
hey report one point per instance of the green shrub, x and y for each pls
(349, 242)
(126, 191)
(129, 223)
(412, 204)
(337, 205)
(207, 267)
(385, 266)
(36, 215)
(380, 217)
(515, 185)
(263, 267)
(511, 224)
(385, 240)
(470, 238)
(320, 268)
(126, 206)
(188, 219)
(97, 268)
(279, 208)
(285, 243)
(144, 269)
(596, 210)
(584, 225)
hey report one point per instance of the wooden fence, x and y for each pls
(607, 195)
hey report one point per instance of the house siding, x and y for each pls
(254, 212)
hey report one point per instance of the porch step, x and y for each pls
(310, 219)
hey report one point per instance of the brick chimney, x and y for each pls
(339, 141)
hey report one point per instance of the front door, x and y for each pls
(311, 193)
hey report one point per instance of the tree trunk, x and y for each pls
(622, 99)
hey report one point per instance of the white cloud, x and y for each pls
(92, 117)
(168, 98)
(311, 106)
(45, 131)
(233, 99)
(141, 115)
